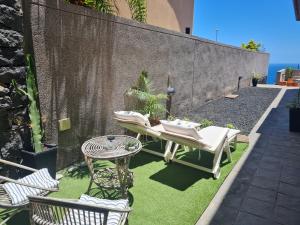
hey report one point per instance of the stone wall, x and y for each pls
(86, 60)
(12, 66)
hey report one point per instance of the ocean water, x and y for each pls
(273, 68)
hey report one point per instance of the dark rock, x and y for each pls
(5, 102)
(5, 124)
(12, 3)
(10, 149)
(10, 18)
(11, 57)
(19, 100)
(3, 91)
(7, 74)
(10, 38)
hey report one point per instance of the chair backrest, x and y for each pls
(50, 211)
(180, 127)
(134, 117)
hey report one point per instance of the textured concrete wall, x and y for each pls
(85, 62)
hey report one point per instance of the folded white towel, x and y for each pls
(19, 193)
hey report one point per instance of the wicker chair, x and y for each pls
(87, 211)
(11, 209)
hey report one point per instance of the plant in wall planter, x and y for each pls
(42, 155)
(255, 78)
(294, 119)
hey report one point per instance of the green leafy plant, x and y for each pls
(185, 118)
(230, 126)
(138, 10)
(32, 94)
(148, 102)
(206, 123)
(130, 145)
(171, 118)
(256, 76)
(251, 46)
(296, 103)
(105, 6)
(288, 73)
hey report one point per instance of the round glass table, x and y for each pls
(119, 148)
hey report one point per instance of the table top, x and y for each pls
(111, 147)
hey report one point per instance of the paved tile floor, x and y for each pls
(267, 189)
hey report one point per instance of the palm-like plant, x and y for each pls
(147, 101)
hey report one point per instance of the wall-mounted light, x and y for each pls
(170, 92)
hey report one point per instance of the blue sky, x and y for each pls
(270, 22)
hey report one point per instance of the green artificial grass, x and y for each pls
(167, 194)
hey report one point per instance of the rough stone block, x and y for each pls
(12, 57)
(10, 18)
(5, 102)
(7, 74)
(12, 3)
(10, 38)
(3, 91)
(10, 145)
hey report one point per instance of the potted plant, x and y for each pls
(289, 75)
(294, 119)
(41, 155)
(255, 78)
(143, 99)
(130, 145)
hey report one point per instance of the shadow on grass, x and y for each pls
(21, 218)
(179, 177)
(182, 177)
(142, 159)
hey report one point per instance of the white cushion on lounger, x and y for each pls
(232, 134)
(213, 136)
(181, 127)
(81, 218)
(133, 116)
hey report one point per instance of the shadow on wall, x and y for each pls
(81, 80)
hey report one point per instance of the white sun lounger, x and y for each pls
(215, 140)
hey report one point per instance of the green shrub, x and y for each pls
(252, 46)
(206, 123)
(230, 126)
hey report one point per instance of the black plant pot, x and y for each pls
(294, 119)
(44, 159)
(254, 82)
